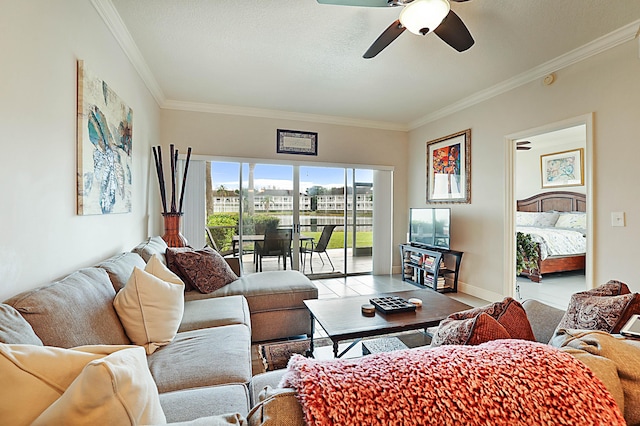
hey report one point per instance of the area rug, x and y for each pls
(276, 355)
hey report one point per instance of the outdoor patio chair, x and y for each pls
(276, 243)
(319, 247)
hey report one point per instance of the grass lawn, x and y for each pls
(363, 239)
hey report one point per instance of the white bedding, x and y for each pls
(556, 241)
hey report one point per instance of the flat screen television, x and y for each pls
(429, 227)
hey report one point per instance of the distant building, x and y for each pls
(281, 200)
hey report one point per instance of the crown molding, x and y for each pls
(282, 115)
(112, 19)
(599, 45)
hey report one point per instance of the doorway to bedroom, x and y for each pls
(550, 192)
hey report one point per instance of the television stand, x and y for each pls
(427, 267)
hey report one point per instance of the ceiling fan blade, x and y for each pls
(523, 148)
(385, 39)
(523, 143)
(365, 3)
(454, 32)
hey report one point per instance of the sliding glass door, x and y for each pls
(328, 211)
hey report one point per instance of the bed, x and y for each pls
(557, 222)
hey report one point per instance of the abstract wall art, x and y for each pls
(564, 168)
(449, 169)
(104, 180)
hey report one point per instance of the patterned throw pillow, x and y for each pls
(205, 269)
(606, 308)
(469, 331)
(509, 313)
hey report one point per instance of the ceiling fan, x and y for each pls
(419, 17)
(521, 146)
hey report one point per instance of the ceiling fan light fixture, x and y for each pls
(423, 16)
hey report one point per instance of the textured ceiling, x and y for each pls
(303, 57)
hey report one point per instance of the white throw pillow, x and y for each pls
(150, 309)
(158, 269)
(32, 378)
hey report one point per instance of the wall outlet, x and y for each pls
(617, 219)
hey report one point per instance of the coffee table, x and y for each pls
(342, 318)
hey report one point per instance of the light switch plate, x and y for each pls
(617, 219)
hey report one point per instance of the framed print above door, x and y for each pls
(449, 169)
(564, 168)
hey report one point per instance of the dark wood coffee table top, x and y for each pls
(342, 318)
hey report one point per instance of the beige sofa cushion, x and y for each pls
(267, 291)
(207, 357)
(14, 329)
(187, 404)
(215, 312)
(75, 311)
(150, 307)
(87, 385)
(120, 267)
(153, 245)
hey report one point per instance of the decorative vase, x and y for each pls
(172, 235)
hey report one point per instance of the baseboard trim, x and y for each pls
(478, 292)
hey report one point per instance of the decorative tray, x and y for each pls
(392, 304)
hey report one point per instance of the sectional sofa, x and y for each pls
(206, 369)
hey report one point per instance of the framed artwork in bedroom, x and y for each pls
(564, 168)
(449, 169)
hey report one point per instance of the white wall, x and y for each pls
(608, 85)
(41, 237)
(234, 136)
(528, 180)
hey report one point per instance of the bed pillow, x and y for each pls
(112, 384)
(509, 313)
(605, 308)
(546, 219)
(572, 221)
(205, 269)
(469, 331)
(525, 218)
(150, 309)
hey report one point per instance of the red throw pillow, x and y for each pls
(509, 313)
(205, 270)
(469, 331)
(605, 308)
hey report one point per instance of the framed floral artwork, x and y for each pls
(449, 169)
(564, 168)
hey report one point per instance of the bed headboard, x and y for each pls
(561, 201)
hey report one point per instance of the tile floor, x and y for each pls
(554, 289)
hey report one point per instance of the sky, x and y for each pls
(281, 176)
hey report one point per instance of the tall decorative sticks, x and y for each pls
(157, 155)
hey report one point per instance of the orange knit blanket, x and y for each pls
(504, 382)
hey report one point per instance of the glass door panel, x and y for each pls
(267, 218)
(328, 210)
(361, 220)
(223, 205)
